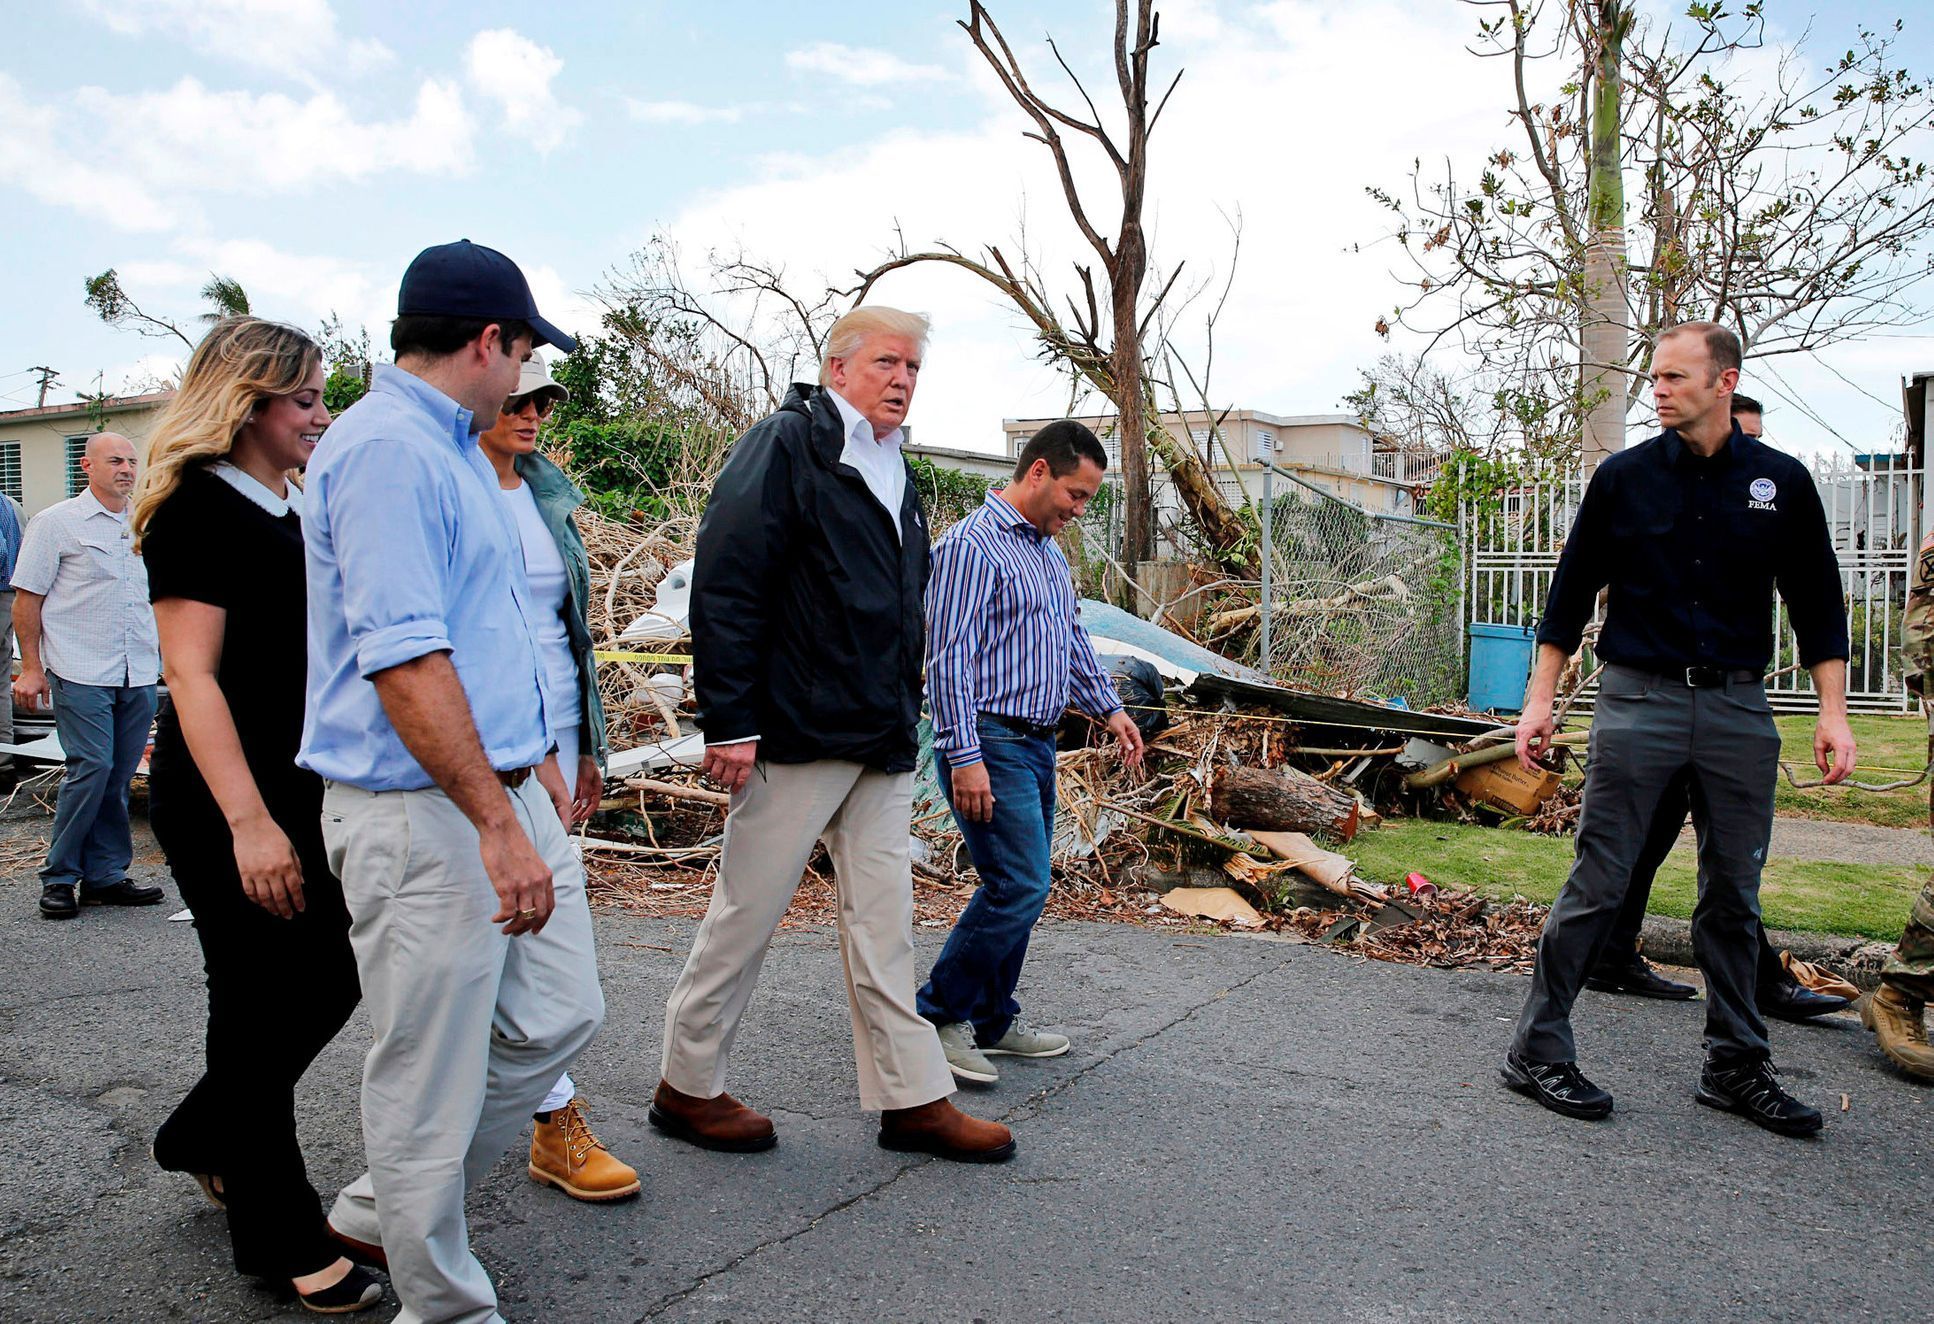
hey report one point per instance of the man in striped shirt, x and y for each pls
(1005, 655)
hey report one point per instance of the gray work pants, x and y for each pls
(1646, 731)
(471, 1027)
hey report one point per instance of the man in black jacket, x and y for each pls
(807, 637)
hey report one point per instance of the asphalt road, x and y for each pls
(1245, 1130)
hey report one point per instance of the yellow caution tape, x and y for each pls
(670, 659)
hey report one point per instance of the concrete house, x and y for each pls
(40, 449)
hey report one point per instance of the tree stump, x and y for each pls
(1284, 800)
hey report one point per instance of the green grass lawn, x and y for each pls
(1865, 900)
(1890, 749)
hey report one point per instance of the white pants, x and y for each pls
(775, 819)
(471, 1026)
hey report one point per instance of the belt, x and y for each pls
(1022, 724)
(514, 777)
(1700, 678)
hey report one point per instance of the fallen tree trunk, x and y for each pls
(1282, 801)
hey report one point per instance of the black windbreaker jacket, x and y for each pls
(808, 627)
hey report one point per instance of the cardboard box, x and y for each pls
(1507, 786)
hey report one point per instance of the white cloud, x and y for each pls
(860, 65)
(681, 112)
(516, 73)
(34, 160)
(146, 161)
(296, 38)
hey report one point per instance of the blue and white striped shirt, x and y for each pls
(1004, 633)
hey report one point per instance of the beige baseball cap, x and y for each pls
(535, 376)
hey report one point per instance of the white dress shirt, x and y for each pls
(96, 627)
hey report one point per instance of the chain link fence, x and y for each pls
(1362, 604)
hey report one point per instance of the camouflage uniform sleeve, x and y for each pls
(1917, 631)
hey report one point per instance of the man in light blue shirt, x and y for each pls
(444, 811)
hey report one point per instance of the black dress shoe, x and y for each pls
(57, 901)
(1638, 977)
(1559, 1086)
(1751, 1091)
(1789, 1000)
(127, 892)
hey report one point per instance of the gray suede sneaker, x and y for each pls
(963, 1058)
(1020, 1041)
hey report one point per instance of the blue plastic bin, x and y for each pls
(1500, 666)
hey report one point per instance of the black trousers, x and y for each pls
(1663, 835)
(278, 991)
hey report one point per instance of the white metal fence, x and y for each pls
(1871, 509)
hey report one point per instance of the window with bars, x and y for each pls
(10, 469)
(76, 476)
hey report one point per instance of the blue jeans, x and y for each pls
(104, 730)
(974, 978)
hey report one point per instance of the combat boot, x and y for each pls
(1900, 1027)
(565, 1154)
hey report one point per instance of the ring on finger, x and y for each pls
(527, 914)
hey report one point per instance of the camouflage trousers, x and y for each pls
(1911, 967)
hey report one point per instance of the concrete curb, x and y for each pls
(1858, 960)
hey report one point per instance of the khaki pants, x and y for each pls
(471, 1027)
(864, 816)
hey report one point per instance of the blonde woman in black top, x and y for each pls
(220, 527)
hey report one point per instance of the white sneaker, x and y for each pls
(963, 1058)
(1020, 1041)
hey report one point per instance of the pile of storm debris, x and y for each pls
(1248, 788)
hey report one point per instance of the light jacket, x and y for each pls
(557, 497)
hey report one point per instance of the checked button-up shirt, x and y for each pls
(1004, 632)
(96, 625)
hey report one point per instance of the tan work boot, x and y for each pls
(565, 1154)
(1900, 1027)
(940, 1129)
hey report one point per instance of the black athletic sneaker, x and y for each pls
(1751, 1091)
(1559, 1086)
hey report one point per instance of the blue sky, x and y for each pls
(310, 147)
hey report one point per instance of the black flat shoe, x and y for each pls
(1790, 1000)
(127, 892)
(359, 1290)
(57, 901)
(1751, 1091)
(1559, 1086)
(1638, 978)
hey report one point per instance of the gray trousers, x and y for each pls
(471, 1027)
(6, 665)
(1646, 731)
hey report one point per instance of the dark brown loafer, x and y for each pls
(722, 1123)
(940, 1129)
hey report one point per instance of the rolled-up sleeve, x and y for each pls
(391, 524)
(963, 583)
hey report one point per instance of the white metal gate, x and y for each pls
(1872, 514)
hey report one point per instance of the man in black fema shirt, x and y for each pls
(1690, 532)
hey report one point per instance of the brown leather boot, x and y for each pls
(1900, 1027)
(940, 1129)
(722, 1123)
(565, 1154)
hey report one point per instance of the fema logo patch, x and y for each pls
(1762, 492)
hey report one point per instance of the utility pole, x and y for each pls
(47, 378)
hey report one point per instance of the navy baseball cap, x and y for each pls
(468, 280)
